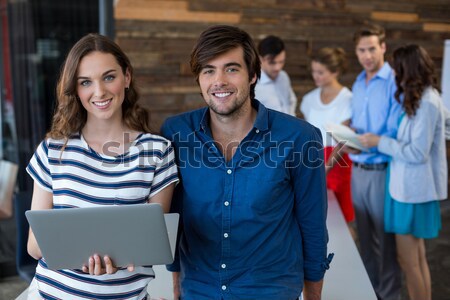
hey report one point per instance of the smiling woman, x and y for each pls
(75, 167)
(101, 87)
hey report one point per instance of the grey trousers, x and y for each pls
(378, 250)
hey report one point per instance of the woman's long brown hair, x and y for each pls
(414, 72)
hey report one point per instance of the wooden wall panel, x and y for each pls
(159, 35)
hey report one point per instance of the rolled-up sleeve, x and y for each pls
(311, 205)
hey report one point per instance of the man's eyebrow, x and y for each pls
(208, 67)
(230, 64)
(233, 64)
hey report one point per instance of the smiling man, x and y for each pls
(375, 110)
(274, 88)
(252, 195)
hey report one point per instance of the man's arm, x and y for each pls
(176, 205)
(311, 209)
(395, 110)
(176, 285)
(312, 290)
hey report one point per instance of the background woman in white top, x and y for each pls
(329, 103)
(418, 170)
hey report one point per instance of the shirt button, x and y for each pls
(229, 171)
(257, 130)
(226, 203)
(223, 266)
(225, 235)
(224, 287)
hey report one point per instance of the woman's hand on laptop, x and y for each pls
(96, 267)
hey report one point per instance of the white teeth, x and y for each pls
(221, 95)
(102, 103)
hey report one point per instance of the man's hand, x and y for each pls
(369, 140)
(312, 290)
(176, 285)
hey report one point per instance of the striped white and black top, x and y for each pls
(81, 177)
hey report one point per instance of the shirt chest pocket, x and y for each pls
(265, 191)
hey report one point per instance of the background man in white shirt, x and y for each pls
(274, 88)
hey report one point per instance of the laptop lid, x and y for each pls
(129, 234)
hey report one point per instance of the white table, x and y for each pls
(347, 278)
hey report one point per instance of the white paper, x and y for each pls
(342, 133)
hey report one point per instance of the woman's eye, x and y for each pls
(85, 83)
(109, 78)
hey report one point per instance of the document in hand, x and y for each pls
(342, 133)
(129, 234)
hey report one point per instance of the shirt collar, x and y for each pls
(261, 121)
(265, 78)
(383, 73)
(204, 121)
(262, 116)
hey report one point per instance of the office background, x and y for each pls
(35, 35)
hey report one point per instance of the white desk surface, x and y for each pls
(346, 279)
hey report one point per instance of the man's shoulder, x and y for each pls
(386, 72)
(284, 75)
(290, 125)
(185, 120)
(263, 80)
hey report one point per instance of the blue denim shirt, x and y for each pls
(375, 110)
(254, 226)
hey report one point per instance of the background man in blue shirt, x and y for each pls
(274, 89)
(375, 110)
(252, 195)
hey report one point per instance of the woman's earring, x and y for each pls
(126, 89)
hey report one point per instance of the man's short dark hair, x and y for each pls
(370, 30)
(219, 39)
(271, 45)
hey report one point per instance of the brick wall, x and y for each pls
(158, 36)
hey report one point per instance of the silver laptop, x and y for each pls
(130, 234)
